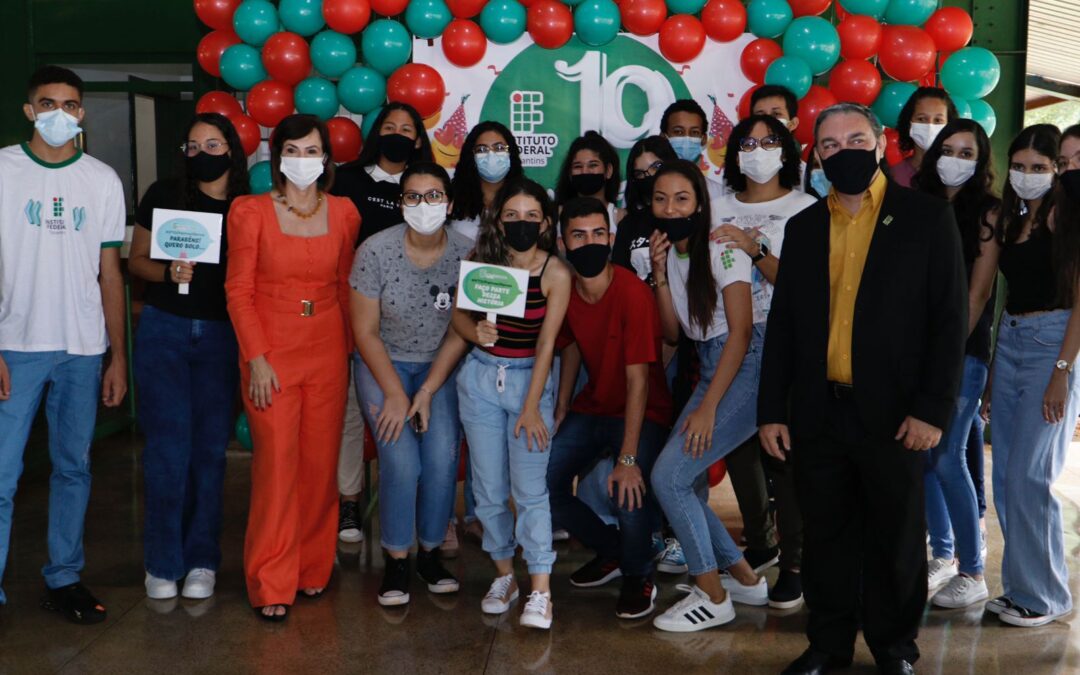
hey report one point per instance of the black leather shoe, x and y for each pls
(896, 667)
(814, 663)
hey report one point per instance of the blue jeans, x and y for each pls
(976, 460)
(1029, 455)
(704, 538)
(71, 409)
(187, 376)
(418, 473)
(491, 392)
(951, 504)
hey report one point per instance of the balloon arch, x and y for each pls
(319, 56)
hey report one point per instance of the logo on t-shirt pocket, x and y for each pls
(443, 300)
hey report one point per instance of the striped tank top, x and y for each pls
(518, 336)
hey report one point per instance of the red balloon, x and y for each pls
(810, 106)
(463, 43)
(682, 37)
(420, 86)
(929, 79)
(907, 53)
(855, 81)
(744, 102)
(249, 133)
(345, 139)
(950, 28)
(465, 9)
(724, 20)
(860, 36)
(287, 58)
(550, 23)
(643, 17)
(893, 154)
(219, 102)
(841, 13)
(389, 7)
(212, 46)
(347, 16)
(269, 102)
(216, 13)
(808, 7)
(757, 56)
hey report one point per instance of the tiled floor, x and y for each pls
(347, 632)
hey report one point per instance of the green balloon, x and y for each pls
(361, 90)
(768, 18)
(909, 12)
(503, 21)
(891, 101)
(368, 121)
(874, 8)
(572, 3)
(333, 53)
(982, 113)
(685, 6)
(813, 40)
(243, 430)
(963, 108)
(241, 67)
(596, 22)
(970, 73)
(316, 96)
(386, 45)
(303, 17)
(792, 73)
(427, 18)
(255, 21)
(259, 178)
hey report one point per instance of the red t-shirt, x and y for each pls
(622, 329)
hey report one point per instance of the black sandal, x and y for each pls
(75, 602)
(311, 596)
(272, 618)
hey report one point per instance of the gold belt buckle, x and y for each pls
(307, 308)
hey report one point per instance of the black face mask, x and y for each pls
(590, 259)
(587, 184)
(208, 168)
(1070, 182)
(521, 235)
(396, 148)
(851, 171)
(676, 229)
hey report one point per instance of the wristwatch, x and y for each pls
(1064, 366)
(763, 252)
(628, 460)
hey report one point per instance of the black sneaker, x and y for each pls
(75, 602)
(349, 529)
(431, 570)
(762, 559)
(596, 572)
(786, 593)
(636, 598)
(395, 584)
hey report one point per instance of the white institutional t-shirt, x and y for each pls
(728, 267)
(54, 221)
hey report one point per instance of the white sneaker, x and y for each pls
(199, 584)
(961, 591)
(939, 571)
(538, 611)
(757, 595)
(998, 604)
(560, 535)
(695, 612)
(503, 591)
(159, 589)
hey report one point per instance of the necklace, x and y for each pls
(302, 215)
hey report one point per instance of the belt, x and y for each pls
(301, 307)
(841, 391)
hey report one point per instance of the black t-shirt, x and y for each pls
(206, 298)
(633, 233)
(379, 202)
(978, 344)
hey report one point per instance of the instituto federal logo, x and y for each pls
(33, 212)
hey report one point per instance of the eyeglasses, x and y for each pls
(212, 147)
(495, 147)
(1063, 163)
(749, 144)
(639, 174)
(431, 197)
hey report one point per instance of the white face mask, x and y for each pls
(761, 165)
(954, 171)
(425, 218)
(57, 127)
(924, 134)
(1030, 186)
(302, 171)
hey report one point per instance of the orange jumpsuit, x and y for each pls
(288, 299)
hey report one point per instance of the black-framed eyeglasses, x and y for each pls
(494, 147)
(211, 147)
(749, 144)
(641, 174)
(429, 197)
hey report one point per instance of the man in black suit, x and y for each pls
(860, 371)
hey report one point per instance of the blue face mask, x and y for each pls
(686, 147)
(819, 182)
(57, 127)
(493, 166)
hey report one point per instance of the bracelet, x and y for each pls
(661, 283)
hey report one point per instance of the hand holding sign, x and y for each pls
(187, 236)
(494, 290)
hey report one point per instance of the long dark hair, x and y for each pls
(701, 293)
(491, 245)
(903, 121)
(372, 144)
(636, 198)
(1045, 140)
(596, 143)
(470, 197)
(238, 183)
(789, 152)
(975, 200)
(1067, 238)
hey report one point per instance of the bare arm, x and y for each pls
(111, 282)
(570, 365)
(983, 275)
(141, 265)
(669, 321)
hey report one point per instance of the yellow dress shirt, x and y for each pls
(849, 242)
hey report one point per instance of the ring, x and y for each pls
(178, 269)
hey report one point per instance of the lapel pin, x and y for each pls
(887, 220)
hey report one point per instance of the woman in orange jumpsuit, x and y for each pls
(290, 252)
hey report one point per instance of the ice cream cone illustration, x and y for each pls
(450, 138)
(719, 129)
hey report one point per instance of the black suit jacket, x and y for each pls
(910, 321)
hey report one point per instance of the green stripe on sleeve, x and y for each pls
(111, 244)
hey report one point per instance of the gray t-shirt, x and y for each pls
(414, 303)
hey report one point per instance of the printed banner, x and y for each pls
(186, 235)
